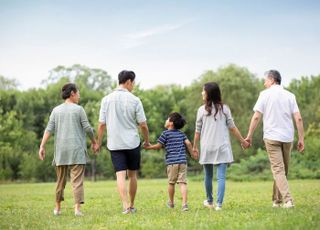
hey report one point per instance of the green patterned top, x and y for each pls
(69, 123)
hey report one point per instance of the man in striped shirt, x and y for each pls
(174, 142)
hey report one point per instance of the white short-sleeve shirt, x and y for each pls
(121, 111)
(277, 106)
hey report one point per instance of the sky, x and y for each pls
(163, 41)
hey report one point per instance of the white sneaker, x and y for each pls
(288, 204)
(276, 205)
(185, 208)
(56, 212)
(126, 211)
(207, 204)
(133, 210)
(218, 208)
(78, 213)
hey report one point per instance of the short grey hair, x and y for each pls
(275, 75)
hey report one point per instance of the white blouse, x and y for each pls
(215, 146)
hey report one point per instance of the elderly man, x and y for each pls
(278, 107)
(121, 113)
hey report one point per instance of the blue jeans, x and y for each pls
(221, 179)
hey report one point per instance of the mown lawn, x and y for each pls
(247, 206)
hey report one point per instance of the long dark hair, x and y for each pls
(213, 98)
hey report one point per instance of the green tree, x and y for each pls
(7, 84)
(14, 140)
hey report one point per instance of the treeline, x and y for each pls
(24, 115)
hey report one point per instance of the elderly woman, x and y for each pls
(70, 124)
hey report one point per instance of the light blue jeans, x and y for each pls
(221, 180)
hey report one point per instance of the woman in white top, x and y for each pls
(214, 120)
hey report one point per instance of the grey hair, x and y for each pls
(275, 75)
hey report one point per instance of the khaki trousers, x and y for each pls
(76, 178)
(279, 156)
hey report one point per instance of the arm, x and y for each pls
(145, 132)
(189, 146)
(154, 147)
(101, 128)
(253, 125)
(42, 150)
(299, 123)
(195, 150)
(141, 119)
(235, 131)
(86, 126)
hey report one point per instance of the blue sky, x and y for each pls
(162, 41)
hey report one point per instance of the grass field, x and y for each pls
(247, 206)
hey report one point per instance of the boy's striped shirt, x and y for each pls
(173, 141)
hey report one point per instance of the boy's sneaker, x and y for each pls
(288, 204)
(78, 213)
(170, 205)
(208, 204)
(218, 208)
(56, 212)
(133, 210)
(126, 211)
(276, 204)
(185, 208)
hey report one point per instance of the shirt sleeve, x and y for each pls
(85, 123)
(229, 118)
(102, 113)
(140, 116)
(51, 123)
(259, 106)
(163, 138)
(199, 121)
(185, 137)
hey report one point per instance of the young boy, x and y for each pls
(174, 142)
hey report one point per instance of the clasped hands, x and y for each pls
(95, 148)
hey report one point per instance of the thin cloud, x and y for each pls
(155, 31)
(139, 38)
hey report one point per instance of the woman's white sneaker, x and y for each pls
(78, 213)
(276, 205)
(56, 212)
(288, 204)
(207, 204)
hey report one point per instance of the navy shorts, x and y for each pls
(126, 159)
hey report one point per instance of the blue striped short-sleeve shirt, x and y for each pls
(173, 141)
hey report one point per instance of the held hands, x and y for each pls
(195, 153)
(146, 145)
(95, 148)
(245, 144)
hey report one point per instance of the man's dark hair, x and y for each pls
(177, 119)
(67, 89)
(126, 75)
(275, 75)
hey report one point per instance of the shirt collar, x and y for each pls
(276, 86)
(121, 89)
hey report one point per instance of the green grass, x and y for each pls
(247, 206)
